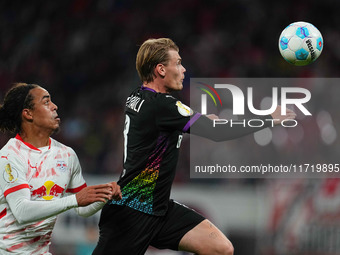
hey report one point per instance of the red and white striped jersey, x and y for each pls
(49, 173)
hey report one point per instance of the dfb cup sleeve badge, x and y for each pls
(10, 174)
(183, 109)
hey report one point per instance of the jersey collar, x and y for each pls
(30, 145)
(146, 88)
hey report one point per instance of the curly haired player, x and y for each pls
(39, 177)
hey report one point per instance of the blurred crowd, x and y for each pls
(83, 52)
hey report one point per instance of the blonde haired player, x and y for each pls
(154, 124)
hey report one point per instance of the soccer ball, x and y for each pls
(300, 43)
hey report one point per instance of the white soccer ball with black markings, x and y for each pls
(300, 43)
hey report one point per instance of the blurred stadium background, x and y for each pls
(83, 52)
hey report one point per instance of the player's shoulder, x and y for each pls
(166, 98)
(11, 147)
(9, 143)
(167, 102)
(56, 145)
(145, 99)
(11, 152)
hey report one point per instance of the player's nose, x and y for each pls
(54, 106)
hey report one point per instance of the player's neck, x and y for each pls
(38, 140)
(156, 86)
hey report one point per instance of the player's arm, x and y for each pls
(175, 115)
(204, 126)
(26, 210)
(16, 191)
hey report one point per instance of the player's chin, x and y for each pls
(56, 131)
(175, 87)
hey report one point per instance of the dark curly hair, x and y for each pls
(16, 99)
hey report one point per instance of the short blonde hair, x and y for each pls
(150, 54)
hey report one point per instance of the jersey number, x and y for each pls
(180, 137)
(126, 131)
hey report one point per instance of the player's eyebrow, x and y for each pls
(46, 96)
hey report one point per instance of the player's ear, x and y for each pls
(160, 70)
(27, 114)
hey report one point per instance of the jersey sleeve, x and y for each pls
(89, 210)
(204, 127)
(77, 182)
(12, 174)
(173, 114)
(16, 190)
(25, 210)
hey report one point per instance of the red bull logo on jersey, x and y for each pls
(48, 191)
